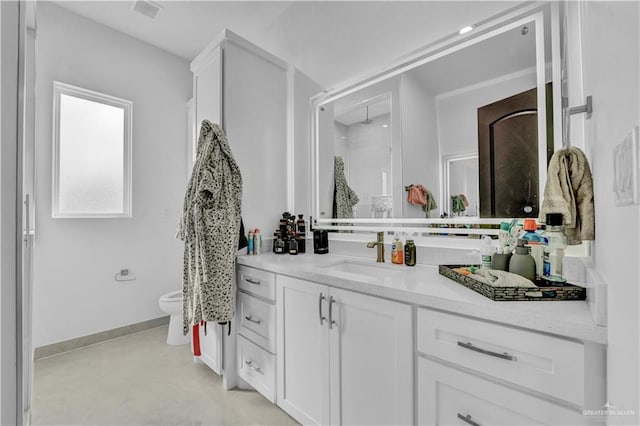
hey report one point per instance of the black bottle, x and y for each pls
(301, 234)
(293, 246)
(301, 226)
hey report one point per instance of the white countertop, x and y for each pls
(423, 286)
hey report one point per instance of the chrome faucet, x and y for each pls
(379, 244)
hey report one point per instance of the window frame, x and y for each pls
(59, 89)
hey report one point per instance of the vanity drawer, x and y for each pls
(257, 281)
(448, 396)
(544, 363)
(257, 321)
(257, 367)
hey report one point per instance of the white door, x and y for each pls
(28, 31)
(371, 341)
(211, 345)
(303, 350)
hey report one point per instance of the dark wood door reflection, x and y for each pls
(508, 156)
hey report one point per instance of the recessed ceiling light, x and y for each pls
(465, 29)
(385, 125)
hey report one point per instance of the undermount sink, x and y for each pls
(372, 270)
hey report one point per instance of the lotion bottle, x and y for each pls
(522, 263)
(397, 254)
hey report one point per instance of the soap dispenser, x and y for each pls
(522, 263)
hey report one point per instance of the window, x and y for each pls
(91, 153)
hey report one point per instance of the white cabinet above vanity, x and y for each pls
(243, 88)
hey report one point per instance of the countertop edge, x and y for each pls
(497, 314)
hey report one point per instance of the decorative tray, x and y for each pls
(543, 292)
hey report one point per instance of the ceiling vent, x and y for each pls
(147, 8)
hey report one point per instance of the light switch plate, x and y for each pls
(625, 169)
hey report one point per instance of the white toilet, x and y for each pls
(171, 303)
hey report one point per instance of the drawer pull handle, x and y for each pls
(504, 355)
(468, 419)
(250, 318)
(253, 367)
(252, 281)
(322, 317)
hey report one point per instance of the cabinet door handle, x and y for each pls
(468, 419)
(331, 321)
(250, 318)
(320, 299)
(251, 365)
(252, 281)
(504, 355)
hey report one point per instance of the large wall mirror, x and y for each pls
(459, 132)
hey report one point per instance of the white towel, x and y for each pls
(569, 190)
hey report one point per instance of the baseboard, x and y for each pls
(79, 342)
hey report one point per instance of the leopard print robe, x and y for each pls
(344, 198)
(209, 227)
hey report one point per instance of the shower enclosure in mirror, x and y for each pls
(418, 144)
(363, 140)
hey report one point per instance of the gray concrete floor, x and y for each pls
(140, 380)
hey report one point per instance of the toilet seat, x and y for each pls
(172, 297)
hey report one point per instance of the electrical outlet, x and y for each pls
(625, 169)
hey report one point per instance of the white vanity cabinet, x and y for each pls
(343, 357)
(256, 325)
(448, 395)
(476, 372)
(211, 345)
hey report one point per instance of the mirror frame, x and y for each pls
(484, 30)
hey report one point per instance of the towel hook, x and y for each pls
(568, 112)
(587, 107)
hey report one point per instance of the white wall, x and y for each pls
(421, 155)
(611, 54)
(75, 293)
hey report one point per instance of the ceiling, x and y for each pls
(513, 51)
(330, 41)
